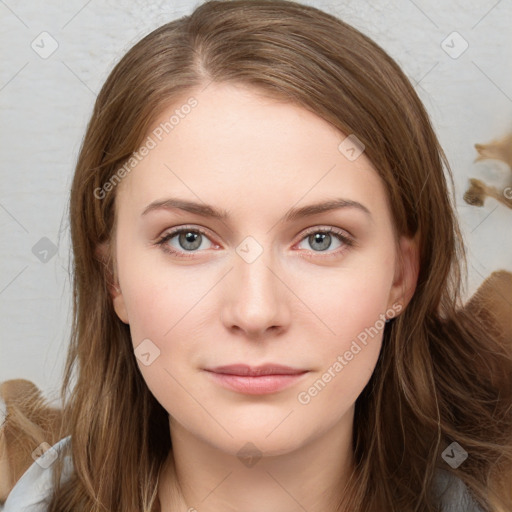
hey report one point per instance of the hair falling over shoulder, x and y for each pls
(443, 375)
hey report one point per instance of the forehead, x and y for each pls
(237, 146)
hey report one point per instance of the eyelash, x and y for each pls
(339, 234)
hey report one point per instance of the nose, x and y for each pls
(256, 300)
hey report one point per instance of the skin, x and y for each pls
(294, 304)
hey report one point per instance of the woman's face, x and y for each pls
(275, 281)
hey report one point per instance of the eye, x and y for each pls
(186, 240)
(183, 240)
(321, 239)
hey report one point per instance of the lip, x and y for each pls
(256, 380)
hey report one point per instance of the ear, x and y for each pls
(104, 255)
(406, 271)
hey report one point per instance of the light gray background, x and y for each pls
(46, 102)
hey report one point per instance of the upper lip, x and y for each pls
(252, 371)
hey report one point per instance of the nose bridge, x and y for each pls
(257, 297)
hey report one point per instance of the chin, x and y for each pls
(258, 439)
(257, 445)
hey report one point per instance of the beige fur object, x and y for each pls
(17, 443)
(478, 191)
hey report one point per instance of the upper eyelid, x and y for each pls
(177, 230)
(321, 227)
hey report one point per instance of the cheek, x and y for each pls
(350, 299)
(332, 392)
(159, 297)
(165, 310)
(349, 356)
(352, 308)
(162, 317)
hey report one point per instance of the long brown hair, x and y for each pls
(441, 377)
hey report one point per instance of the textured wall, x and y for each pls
(46, 98)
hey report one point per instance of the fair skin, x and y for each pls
(295, 304)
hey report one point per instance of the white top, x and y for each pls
(33, 490)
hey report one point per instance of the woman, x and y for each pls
(266, 282)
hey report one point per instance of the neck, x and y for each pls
(200, 477)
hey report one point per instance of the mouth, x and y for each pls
(256, 380)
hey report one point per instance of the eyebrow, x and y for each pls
(205, 210)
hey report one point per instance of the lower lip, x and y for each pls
(256, 385)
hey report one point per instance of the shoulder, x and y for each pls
(33, 489)
(452, 494)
